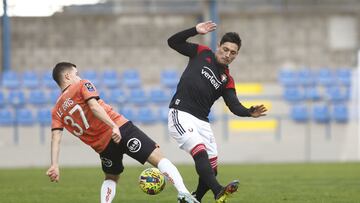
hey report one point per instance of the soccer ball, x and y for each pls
(151, 181)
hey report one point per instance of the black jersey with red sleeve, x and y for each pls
(203, 81)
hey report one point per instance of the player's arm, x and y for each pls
(234, 104)
(238, 109)
(101, 114)
(53, 172)
(178, 41)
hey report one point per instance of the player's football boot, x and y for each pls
(186, 198)
(226, 192)
(194, 194)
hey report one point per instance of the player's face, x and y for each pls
(73, 76)
(226, 53)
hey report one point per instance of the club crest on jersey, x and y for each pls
(223, 78)
(90, 87)
(134, 145)
(106, 162)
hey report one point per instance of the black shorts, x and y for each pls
(134, 143)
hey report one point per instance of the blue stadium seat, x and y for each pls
(163, 112)
(131, 79)
(30, 79)
(212, 117)
(158, 95)
(6, 117)
(128, 112)
(299, 113)
(325, 77)
(145, 115)
(288, 77)
(137, 96)
(293, 94)
(110, 79)
(169, 78)
(10, 80)
(44, 116)
(2, 99)
(321, 113)
(104, 95)
(16, 98)
(54, 95)
(24, 117)
(92, 76)
(47, 80)
(312, 93)
(337, 94)
(38, 97)
(343, 76)
(340, 113)
(305, 77)
(117, 96)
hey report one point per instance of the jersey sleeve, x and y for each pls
(56, 123)
(201, 48)
(88, 90)
(178, 42)
(233, 103)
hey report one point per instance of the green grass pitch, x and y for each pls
(259, 183)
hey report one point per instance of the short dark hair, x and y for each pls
(232, 37)
(59, 69)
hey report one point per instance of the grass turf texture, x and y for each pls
(260, 183)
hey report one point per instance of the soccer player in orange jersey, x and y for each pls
(81, 112)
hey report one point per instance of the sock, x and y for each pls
(172, 175)
(108, 190)
(204, 170)
(202, 188)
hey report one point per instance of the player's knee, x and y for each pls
(111, 177)
(199, 151)
(155, 157)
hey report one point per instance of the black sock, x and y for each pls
(205, 172)
(202, 188)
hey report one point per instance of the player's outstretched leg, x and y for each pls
(172, 175)
(226, 192)
(204, 169)
(207, 174)
(202, 188)
(108, 188)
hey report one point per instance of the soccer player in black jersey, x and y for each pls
(205, 79)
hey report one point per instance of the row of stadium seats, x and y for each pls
(314, 93)
(317, 95)
(24, 116)
(108, 79)
(42, 116)
(320, 113)
(40, 97)
(322, 76)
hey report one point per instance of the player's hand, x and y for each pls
(257, 111)
(54, 173)
(116, 136)
(205, 27)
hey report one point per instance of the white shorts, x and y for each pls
(189, 131)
